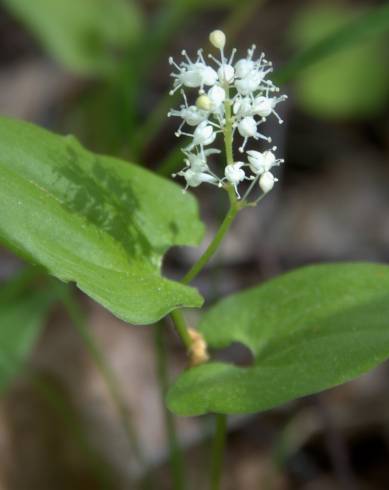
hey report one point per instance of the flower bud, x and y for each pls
(266, 182)
(218, 39)
(204, 102)
(247, 127)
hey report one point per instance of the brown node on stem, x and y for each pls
(198, 352)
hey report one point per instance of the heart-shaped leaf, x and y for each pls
(308, 330)
(95, 220)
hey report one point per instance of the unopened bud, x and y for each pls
(266, 182)
(204, 102)
(218, 39)
(198, 353)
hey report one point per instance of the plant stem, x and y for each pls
(234, 204)
(78, 321)
(228, 128)
(176, 456)
(214, 245)
(182, 330)
(218, 445)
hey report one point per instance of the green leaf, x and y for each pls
(84, 35)
(342, 76)
(358, 29)
(308, 330)
(95, 220)
(21, 320)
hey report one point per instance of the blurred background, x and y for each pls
(81, 405)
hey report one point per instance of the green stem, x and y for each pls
(218, 446)
(215, 244)
(176, 456)
(228, 128)
(235, 206)
(78, 321)
(182, 329)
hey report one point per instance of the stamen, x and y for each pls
(172, 62)
(233, 52)
(185, 99)
(215, 60)
(200, 55)
(174, 90)
(241, 149)
(185, 54)
(280, 120)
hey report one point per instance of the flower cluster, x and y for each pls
(232, 97)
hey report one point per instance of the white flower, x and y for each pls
(194, 179)
(249, 84)
(262, 162)
(242, 107)
(226, 73)
(191, 115)
(247, 128)
(243, 86)
(235, 175)
(217, 96)
(192, 74)
(203, 135)
(243, 67)
(264, 106)
(266, 182)
(197, 162)
(208, 76)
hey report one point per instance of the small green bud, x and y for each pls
(204, 102)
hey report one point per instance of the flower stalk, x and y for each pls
(232, 99)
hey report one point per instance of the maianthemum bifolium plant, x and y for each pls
(105, 224)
